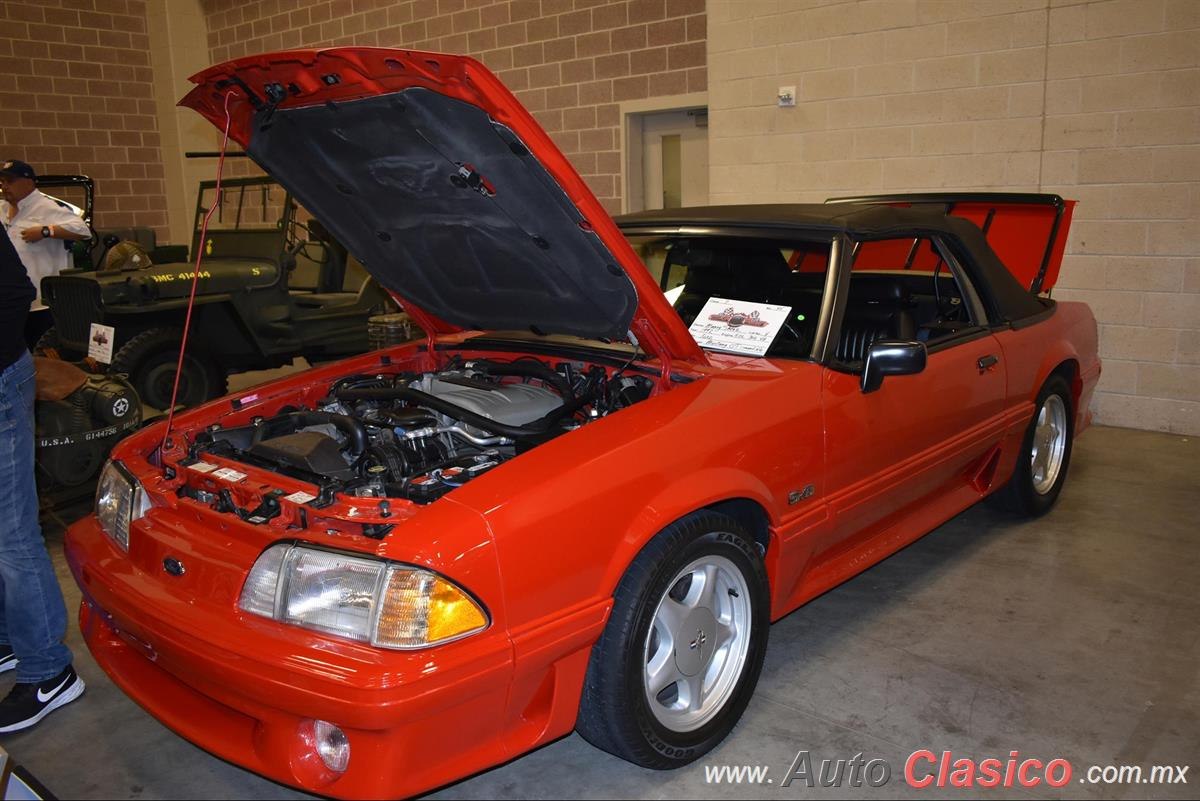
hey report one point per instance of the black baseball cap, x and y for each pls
(17, 169)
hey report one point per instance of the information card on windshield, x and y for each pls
(738, 326)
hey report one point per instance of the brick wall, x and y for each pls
(76, 93)
(1097, 101)
(570, 62)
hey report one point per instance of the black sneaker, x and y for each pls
(8, 660)
(27, 704)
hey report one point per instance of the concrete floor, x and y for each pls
(1073, 636)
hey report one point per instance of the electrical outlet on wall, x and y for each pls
(787, 96)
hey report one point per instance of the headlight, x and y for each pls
(120, 500)
(359, 598)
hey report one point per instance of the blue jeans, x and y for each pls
(33, 617)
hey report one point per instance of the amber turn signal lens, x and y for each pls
(422, 608)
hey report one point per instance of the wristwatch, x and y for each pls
(45, 232)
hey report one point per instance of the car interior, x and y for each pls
(899, 288)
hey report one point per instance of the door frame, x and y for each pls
(631, 112)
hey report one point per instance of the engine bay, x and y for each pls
(417, 436)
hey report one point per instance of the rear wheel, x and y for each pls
(680, 657)
(150, 359)
(1045, 454)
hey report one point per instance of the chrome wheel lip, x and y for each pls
(684, 686)
(1049, 446)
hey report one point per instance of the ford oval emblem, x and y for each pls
(174, 566)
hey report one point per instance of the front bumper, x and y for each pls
(243, 689)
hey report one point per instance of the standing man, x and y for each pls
(33, 617)
(37, 226)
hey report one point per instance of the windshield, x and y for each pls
(768, 289)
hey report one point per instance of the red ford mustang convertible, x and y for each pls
(623, 449)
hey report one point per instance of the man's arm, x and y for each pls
(36, 233)
(59, 222)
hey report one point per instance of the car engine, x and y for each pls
(418, 436)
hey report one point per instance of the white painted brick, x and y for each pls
(1116, 308)
(1187, 348)
(1094, 202)
(1080, 130)
(1143, 273)
(1118, 376)
(1153, 202)
(1081, 272)
(1124, 17)
(915, 107)
(943, 139)
(1170, 381)
(827, 84)
(1026, 100)
(1067, 24)
(883, 79)
(1182, 14)
(1177, 163)
(1175, 238)
(859, 49)
(979, 35)
(1065, 96)
(882, 142)
(805, 56)
(1175, 126)
(1006, 136)
(1110, 237)
(827, 146)
(1136, 344)
(1180, 87)
(1076, 59)
(1116, 165)
(1012, 66)
(946, 73)
(1191, 276)
(927, 41)
(1180, 310)
(1120, 92)
(1060, 167)
(980, 103)
(1162, 51)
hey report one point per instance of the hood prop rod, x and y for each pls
(187, 321)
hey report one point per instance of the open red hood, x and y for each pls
(429, 170)
(1027, 231)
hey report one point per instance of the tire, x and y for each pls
(150, 358)
(49, 346)
(1035, 484)
(631, 706)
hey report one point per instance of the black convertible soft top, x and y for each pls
(1009, 300)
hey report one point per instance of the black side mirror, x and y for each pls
(891, 357)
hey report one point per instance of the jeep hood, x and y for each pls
(430, 172)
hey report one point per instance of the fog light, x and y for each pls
(332, 746)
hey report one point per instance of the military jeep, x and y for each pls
(273, 286)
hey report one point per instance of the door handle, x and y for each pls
(987, 362)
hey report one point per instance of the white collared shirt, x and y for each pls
(46, 256)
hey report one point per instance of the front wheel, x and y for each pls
(680, 657)
(1045, 454)
(150, 359)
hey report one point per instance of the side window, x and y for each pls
(906, 288)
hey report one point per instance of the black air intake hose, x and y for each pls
(291, 421)
(525, 369)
